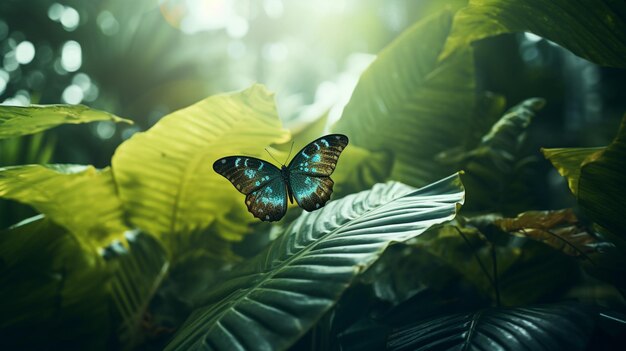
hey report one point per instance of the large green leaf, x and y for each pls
(165, 175)
(271, 300)
(549, 327)
(18, 120)
(52, 290)
(591, 29)
(79, 198)
(568, 161)
(602, 185)
(596, 177)
(411, 104)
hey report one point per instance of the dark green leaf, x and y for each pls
(591, 29)
(273, 299)
(550, 327)
(52, 290)
(412, 105)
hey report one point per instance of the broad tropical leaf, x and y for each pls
(591, 29)
(596, 177)
(80, 198)
(568, 162)
(558, 229)
(602, 185)
(18, 120)
(549, 327)
(51, 287)
(413, 106)
(165, 176)
(271, 300)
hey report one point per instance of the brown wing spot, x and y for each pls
(248, 202)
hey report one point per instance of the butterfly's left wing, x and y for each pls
(260, 181)
(268, 203)
(310, 170)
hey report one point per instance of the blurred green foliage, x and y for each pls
(156, 251)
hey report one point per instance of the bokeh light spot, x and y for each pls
(105, 129)
(25, 52)
(4, 80)
(4, 29)
(82, 80)
(107, 23)
(73, 94)
(237, 27)
(71, 56)
(70, 18)
(55, 11)
(275, 52)
(273, 8)
(10, 62)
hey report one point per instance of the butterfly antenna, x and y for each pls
(290, 149)
(268, 152)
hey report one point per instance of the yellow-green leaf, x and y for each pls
(568, 161)
(602, 185)
(165, 175)
(18, 120)
(79, 198)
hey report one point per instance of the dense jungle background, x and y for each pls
(480, 204)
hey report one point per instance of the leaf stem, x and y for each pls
(494, 259)
(482, 266)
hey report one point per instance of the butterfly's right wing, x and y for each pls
(260, 181)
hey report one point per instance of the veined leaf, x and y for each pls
(596, 177)
(271, 300)
(568, 162)
(549, 327)
(412, 105)
(602, 185)
(79, 198)
(591, 29)
(18, 120)
(165, 176)
(558, 229)
(52, 287)
(137, 273)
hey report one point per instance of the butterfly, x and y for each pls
(267, 187)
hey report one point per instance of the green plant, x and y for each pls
(157, 251)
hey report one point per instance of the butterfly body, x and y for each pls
(267, 187)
